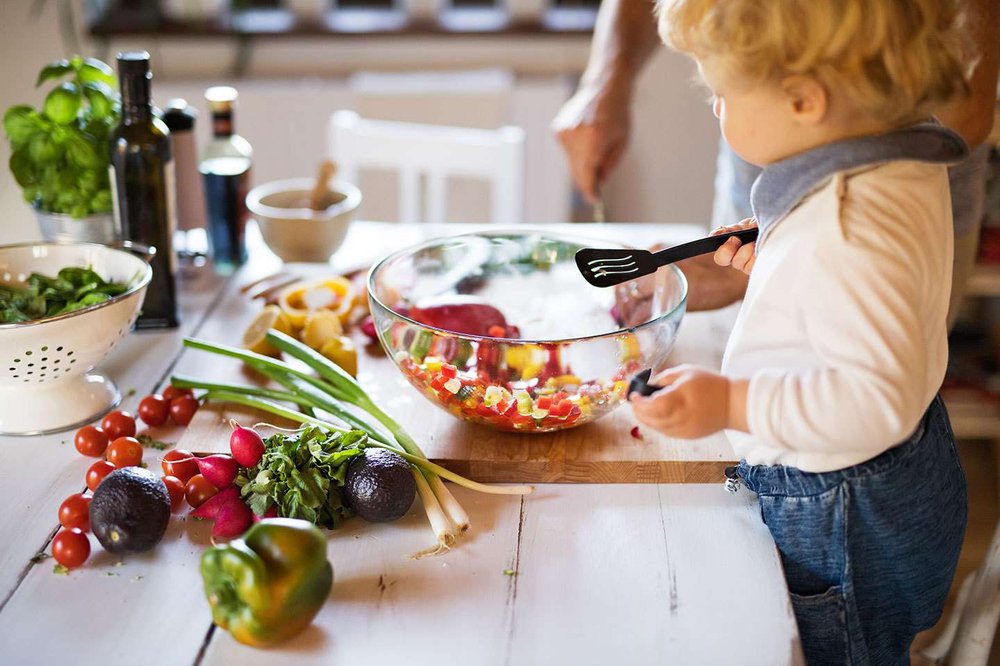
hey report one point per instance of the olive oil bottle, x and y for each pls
(142, 180)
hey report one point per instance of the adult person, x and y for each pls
(594, 128)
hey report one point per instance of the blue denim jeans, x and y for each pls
(869, 552)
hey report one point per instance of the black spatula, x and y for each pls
(608, 267)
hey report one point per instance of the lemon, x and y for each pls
(321, 327)
(268, 318)
(335, 294)
(342, 352)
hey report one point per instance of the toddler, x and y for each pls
(828, 390)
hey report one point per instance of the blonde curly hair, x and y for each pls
(897, 60)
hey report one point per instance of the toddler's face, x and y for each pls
(754, 119)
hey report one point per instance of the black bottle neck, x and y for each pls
(222, 124)
(136, 103)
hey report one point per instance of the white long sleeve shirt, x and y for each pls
(842, 332)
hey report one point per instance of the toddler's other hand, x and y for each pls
(734, 253)
(693, 402)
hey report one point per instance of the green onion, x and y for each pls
(332, 392)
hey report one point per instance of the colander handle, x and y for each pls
(144, 252)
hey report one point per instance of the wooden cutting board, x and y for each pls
(601, 452)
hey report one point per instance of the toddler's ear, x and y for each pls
(807, 99)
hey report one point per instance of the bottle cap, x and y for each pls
(133, 63)
(221, 98)
(179, 115)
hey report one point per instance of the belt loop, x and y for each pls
(732, 479)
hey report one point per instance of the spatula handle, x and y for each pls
(702, 246)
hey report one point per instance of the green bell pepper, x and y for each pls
(268, 585)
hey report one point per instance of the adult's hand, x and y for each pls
(593, 128)
(711, 286)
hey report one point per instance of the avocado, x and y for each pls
(130, 510)
(379, 486)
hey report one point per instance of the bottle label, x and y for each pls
(170, 183)
(116, 206)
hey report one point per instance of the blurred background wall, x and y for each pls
(290, 85)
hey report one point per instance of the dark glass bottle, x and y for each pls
(143, 182)
(225, 166)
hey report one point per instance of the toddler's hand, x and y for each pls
(693, 402)
(734, 253)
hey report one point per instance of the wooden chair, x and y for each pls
(435, 153)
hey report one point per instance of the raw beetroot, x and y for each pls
(246, 445)
(219, 469)
(462, 314)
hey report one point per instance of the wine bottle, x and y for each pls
(142, 179)
(225, 167)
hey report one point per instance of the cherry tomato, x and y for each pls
(125, 452)
(177, 491)
(75, 512)
(71, 548)
(172, 392)
(154, 410)
(179, 463)
(198, 490)
(97, 472)
(118, 424)
(182, 409)
(91, 441)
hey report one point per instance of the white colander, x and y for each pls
(45, 379)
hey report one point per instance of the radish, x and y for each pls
(210, 509)
(246, 445)
(219, 469)
(233, 519)
(231, 515)
(270, 513)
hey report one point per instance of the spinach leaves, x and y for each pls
(42, 296)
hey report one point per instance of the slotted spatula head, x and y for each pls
(608, 267)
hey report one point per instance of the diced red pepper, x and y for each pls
(448, 371)
(561, 408)
(438, 383)
(483, 410)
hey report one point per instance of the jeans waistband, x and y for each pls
(791, 481)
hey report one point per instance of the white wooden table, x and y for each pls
(622, 574)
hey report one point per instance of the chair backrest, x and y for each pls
(436, 153)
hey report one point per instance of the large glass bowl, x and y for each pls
(499, 328)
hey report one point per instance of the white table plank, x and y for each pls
(635, 574)
(38, 473)
(384, 609)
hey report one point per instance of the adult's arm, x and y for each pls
(593, 126)
(972, 116)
